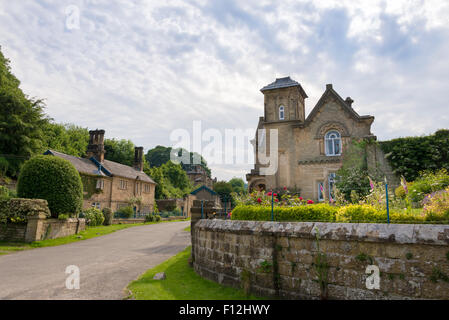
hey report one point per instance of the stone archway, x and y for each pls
(257, 185)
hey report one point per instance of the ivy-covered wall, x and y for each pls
(89, 186)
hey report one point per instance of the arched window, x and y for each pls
(281, 113)
(333, 143)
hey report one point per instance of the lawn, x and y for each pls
(90, 232)
(182, 283)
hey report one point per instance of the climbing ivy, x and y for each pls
(89, 186)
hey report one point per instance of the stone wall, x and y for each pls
(280, 258)
(39, 228)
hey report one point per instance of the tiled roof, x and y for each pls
(81, 164)
(122, 170)
(281, 83)
(89, 166)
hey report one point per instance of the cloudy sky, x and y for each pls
(141, 69)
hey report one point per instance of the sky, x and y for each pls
(142, 69)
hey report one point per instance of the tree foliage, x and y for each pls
(65, 138)
(412, 155)
(21, 121)
(161, 155)
(53, 179)
(238, 185)
(172, 181)
(121, 151)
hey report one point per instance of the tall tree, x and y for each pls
(121, 151)
(21, 120)
(238, 185)
(66, 138)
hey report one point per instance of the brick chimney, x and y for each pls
(96, 145)
(138, 158)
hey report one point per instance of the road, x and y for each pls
(107, 263)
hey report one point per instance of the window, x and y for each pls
(331, 181)
(320, 191)
(333, 143)
(96, 205)
(147, 188)
(123, 184)
(281, 112)
(100, 184)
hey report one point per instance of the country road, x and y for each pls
(107, 263)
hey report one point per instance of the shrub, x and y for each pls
(317, 212)
(157, 218)
(53, 179)
(5, 193)
(367, 213)
(63, 216)
(126, 212)
(108, 216)
(437, 205)
(427, 183)
(18, 210)
(150, 218)
(94, 217)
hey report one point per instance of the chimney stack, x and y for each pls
(96, 145)
(349, 101)
(138, 158)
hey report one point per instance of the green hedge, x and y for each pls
(94, 217)
(411, 155)
(316, 212)
(53, 179)
(327, 213)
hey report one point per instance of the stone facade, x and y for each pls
(279, 259)
(198, 176)
(108, 184)
(307, 157)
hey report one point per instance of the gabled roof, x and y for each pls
(204, 188)
(81, 164)
(331, 92)
(284, 83)
(107, 168)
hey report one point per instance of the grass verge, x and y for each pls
(182, 283)
(90, 232)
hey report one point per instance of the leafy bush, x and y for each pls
(427, 183)
(6, 193)
(150, 218)
(63, 216)
(18, 210)
(53, 179)
(94, 217)
(317, 212)
(108, 216)
(126, 212)
(157, 218)
(437, 205)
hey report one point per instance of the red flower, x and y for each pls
(269, 194)
(275, 194)
(285, 188)
(276, 200)
(310, 202)
(259, 200)
(300, 198)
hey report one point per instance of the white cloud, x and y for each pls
(141, 69)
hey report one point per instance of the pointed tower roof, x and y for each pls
(284, 83)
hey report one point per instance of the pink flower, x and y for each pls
(300, 198)
(285, 188)
(276, 200)
(259, 200)
(310, 202)
(269, 194)
(275, 194)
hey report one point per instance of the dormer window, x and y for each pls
(281, 112)
(333, 143)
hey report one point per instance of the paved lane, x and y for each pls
(107, 263)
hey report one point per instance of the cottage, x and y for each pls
(108, 184)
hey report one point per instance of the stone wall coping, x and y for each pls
(368, 232)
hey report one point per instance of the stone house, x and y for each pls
(108, 184)
(198, 176)
(310, 149)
